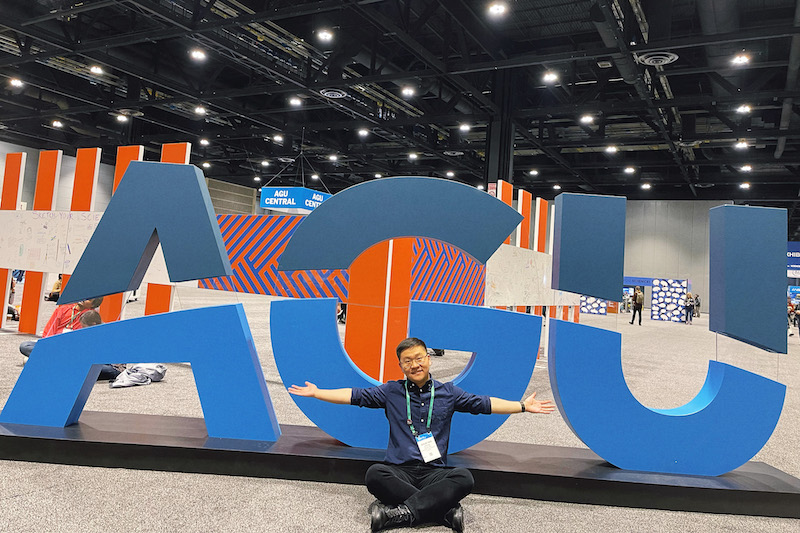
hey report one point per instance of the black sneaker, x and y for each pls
(454, 519)
(383, 517)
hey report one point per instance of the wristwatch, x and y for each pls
(522, 404)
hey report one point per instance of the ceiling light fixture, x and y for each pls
(450, 174)
(363, 132)
(412, 156)
(408, 91)
(325, 35)
(197, 54)
(315, 176)
(646, 186)
(200, 110)
(744, 185)
(740, 59)
(378, 175)
(587, 119)
(465, 127)
(57, 124)
(256, 178)
(629, 170)
(550, 77)
(206, 164)
(264, 163)
(96, 69)
(611, 149)
(741, 145)
(16, 82)
(278, 138)
(557, 187)
(122, 118)
(204, 142)
(333, 157)
(497, 9)
(533, 172)
(481, 187)
(743, 109)
(746, 168)
(294, 101)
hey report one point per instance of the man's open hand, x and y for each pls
(532, 405)
(309, 390)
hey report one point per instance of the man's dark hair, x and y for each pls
(410, 342)
(95, 302)
(91, 318)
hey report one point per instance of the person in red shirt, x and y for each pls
(64, 318)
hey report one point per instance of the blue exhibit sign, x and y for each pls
(633, 281)
(793, 256)
(793, 291)
(292, 199)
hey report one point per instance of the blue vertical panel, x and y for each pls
(589, 245)
(747, 294)
(57, 379)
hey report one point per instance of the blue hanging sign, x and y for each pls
(291, 199)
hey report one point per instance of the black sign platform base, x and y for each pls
(552, 473)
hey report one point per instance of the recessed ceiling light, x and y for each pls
(278, 138)
(741, 145)
(96, 69)
(412, 155)
(295, 101)
(314, 176)
(450, 174)
(206, 165)
(325, 35)
(646, 186)
(465, 127)
(200, 110)
(557, 187)
(550, 77)
(744, 108)
(197, 54)
(204, 142)
(122, 118)
(740, 59)
(378, 175)
(481, 187)
(363, 132)
(744, 185)
(57, 124)
(333, 157)
(587, 119)
(408, 91)
(611, 149)
(497, 9)
(746, 168)
(16, 82)
(256, 178)
(533, 172)
(629, 170)
(264, 163)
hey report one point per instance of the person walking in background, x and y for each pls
(697, 305)
(689, 306)
(638, 302)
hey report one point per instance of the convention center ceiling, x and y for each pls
(649, 99)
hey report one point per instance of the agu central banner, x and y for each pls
(293, 200)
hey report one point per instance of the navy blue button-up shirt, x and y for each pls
(391, 397)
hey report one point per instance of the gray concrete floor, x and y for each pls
(665, 365)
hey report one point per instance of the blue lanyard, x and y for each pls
(408, 410)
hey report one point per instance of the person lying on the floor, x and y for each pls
(64, 318)
(414, 485)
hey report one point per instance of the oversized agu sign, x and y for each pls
(714, 433)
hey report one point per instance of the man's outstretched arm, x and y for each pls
(326, 395)
(532, 405)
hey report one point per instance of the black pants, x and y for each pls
(637, 308)
(428, 491)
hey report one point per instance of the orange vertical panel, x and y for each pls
(44, 199)
(541, 224)
(565, 312)
(505, 193)
(537, 310)
(111, 308)
(576, 314)
(126, 154)
(552, 311)
(9, 201)
(87, 168)
(159, 297)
